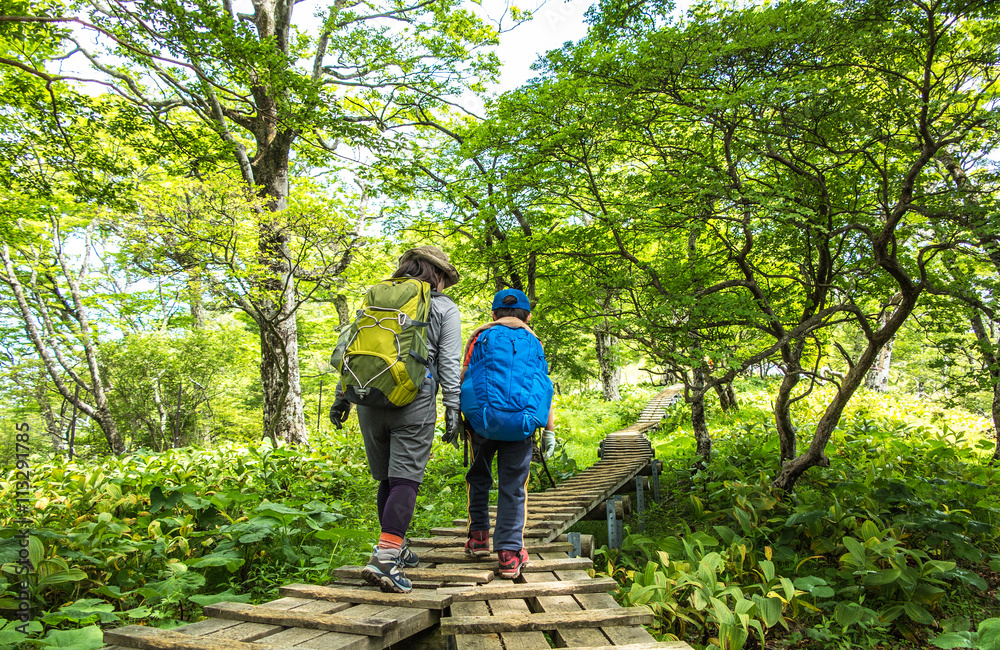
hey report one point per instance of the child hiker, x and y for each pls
(506, 395)
(405, 343)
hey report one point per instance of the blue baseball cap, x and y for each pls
(522, 300)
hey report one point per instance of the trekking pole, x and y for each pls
(465, 442)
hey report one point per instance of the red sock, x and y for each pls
(388, 540)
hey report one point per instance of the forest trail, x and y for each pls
(456, 603)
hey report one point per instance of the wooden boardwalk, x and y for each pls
(456, 602)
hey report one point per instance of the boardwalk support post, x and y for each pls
(614, 530)
(574, 539)
(640, 503)
(656, 480)
(619, 523)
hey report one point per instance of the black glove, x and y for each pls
(339, 411)
(452, 425)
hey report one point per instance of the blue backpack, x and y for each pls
(506, 392)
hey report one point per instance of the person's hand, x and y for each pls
(339, 411)
(452, 426)
(548, 443)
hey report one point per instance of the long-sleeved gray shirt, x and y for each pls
(444, 346)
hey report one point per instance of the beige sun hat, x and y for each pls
(435, 256)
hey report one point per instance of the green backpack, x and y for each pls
(382, 356)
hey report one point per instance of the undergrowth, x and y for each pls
(895, 545)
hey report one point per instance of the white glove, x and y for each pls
(548, 443)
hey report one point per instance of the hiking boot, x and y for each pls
(478, 543)
(385, 571)
(511, 563)
(407, 557)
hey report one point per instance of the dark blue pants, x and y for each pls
(513, 469)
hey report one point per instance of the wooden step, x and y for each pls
(443, 575)
(427, 599)
(542, 622)
(151, 638)
(372, 626)
(533, 590)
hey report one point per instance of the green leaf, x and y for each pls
(883, 577)
(62, 576)
(276, 508)
(856, 549)
(219, 558)
(83, 610)
(917, 613)
(768, 610)
(84, 638)
(340, 534)
(722, 613)
(194, 502)
(989, 634)
(225, 596)
(847, 613)
(36, 552)
(950, 640)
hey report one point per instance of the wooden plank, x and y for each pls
(619, 635)
(538, 521)
(530, 590)
(475, 641)
(207, 626)
(421, 585)
(248, 632)
(537, 566)
(409, 622)
(343, 641)
(542, 508)
(458, 543)
(151, 638)
(663, 645)
(533, 517)
(297, 635)
(541, 622)
(528, 640)
(426, 599)
(443, 575)
(291, 618)
(455, 532)
(555, 603)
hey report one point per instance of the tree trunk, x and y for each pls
(284, 417)
(727, 396)
(52, 426)
(196, 299)
(284, 414)
(877, 378)
(703, 439)
(608, 363)
(988, 349)
(996, 419)
(55, 364)
(343, 311)
(783, 416)
(791, 355)
(814, 456)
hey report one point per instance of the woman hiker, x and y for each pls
(398, 440)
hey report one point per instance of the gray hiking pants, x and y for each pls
(398, 441)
